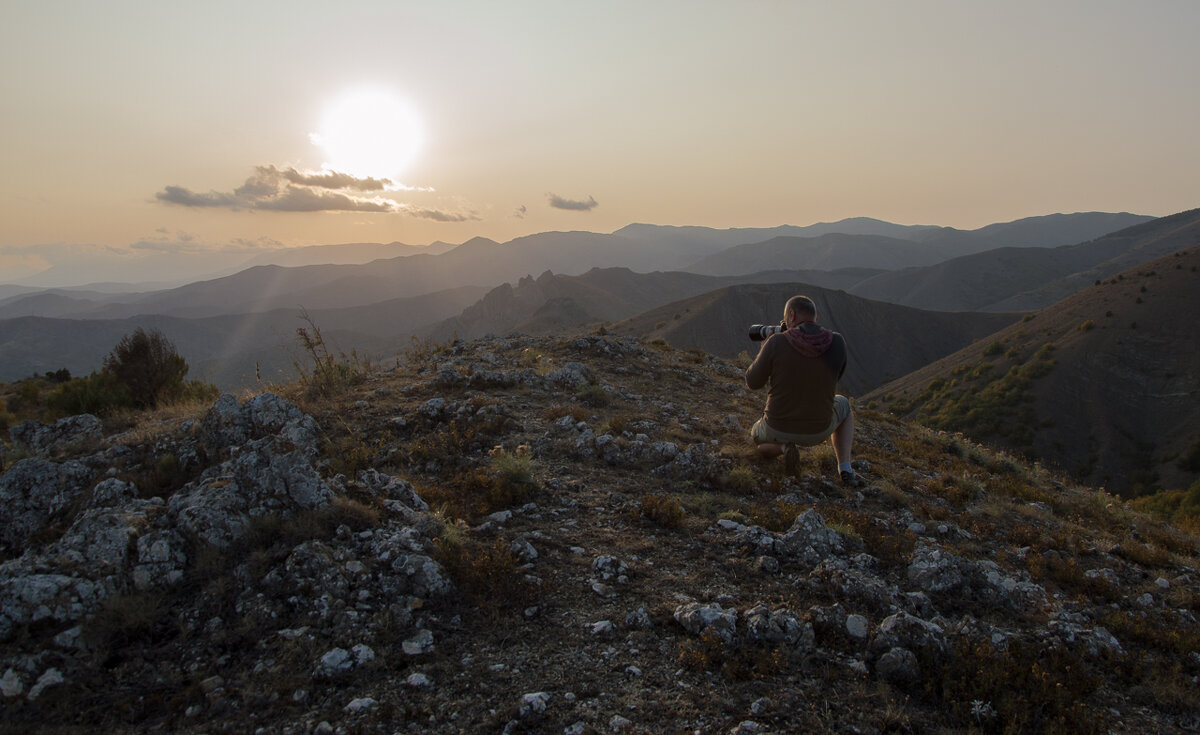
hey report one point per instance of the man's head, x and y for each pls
(799, 309)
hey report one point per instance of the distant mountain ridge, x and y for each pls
(344, 253)
(1019, 279)
(486, 263)
(908, 248)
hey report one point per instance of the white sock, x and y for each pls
(845, 467)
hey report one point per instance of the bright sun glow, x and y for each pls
(369, 132)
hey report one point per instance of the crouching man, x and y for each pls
(802, 366)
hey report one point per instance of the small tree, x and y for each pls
(147, 364)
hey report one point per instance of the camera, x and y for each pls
(759, 332)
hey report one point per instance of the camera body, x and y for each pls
(759, 332)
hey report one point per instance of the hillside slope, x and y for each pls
(884, 340)
(569, 536)
(1102, 384)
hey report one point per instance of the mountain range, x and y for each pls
(909, 298)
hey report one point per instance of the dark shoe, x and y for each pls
(849, 479)
(791, 459)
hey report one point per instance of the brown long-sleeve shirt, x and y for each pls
(800, 396)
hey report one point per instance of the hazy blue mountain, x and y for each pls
(225, 349)
(915, 247)
(689, 244)
(825, 252)
(484, 263)
(344, 253)
(1015, 279)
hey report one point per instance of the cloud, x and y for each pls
(300, 199)
(520, 212)
(438, 215)
(571, 204)
(331, 180)
(288, 190)
(188, 198)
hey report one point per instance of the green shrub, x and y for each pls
(99, 394)
(148, 366)
(593, 396)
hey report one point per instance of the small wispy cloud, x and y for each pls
(438, 215)
(572, 205)
(519, 212)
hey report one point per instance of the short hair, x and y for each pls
(801, 305)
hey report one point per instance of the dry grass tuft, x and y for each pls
(125, 618)
(734, 662)
(487, 576)
(661, 510)
(1027, 688)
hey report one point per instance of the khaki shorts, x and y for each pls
(761, 433)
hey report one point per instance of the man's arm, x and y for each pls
(760, 370)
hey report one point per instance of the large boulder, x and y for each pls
(810, 540)
(32, 493)
(258, 481)
(67, 433)
(698, 618)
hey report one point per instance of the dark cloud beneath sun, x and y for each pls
(289, 190)
(572, 205)
(275, 189)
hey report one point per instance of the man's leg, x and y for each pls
(843, 440)
(843, 443)
(770, 450)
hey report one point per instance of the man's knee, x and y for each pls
(842, 409)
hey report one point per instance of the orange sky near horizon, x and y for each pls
(165, 128)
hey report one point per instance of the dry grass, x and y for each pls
(488, 576)
(661, 510)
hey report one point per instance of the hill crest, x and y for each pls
(546, 535)
(1126, 348)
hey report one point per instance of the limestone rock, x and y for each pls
(32, 492)
(42, 440)
(696, 618)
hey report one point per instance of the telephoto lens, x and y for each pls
(759, 332)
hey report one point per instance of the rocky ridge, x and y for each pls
(569, 535)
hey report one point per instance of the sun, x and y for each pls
(369, 132)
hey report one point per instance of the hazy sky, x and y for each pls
(167, 127)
